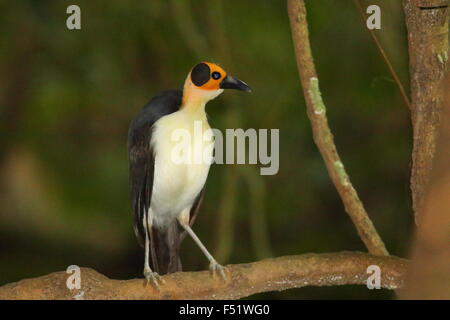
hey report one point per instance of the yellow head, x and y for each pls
(206, 81)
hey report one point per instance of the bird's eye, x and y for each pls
(215, 75)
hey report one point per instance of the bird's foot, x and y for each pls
(217, 269)
(153, 277)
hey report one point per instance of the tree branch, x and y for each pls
(428, 56)
(321, 131)
(428, 276)
(327, 269)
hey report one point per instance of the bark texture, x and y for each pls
(429, 276)
(327, 269)
(427, 24)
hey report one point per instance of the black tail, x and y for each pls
(164, 248)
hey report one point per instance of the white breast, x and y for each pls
(178, 180)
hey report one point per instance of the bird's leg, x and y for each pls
(148, 273)
(215, 268)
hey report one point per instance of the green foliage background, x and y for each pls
(67, 97)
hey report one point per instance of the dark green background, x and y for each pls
(67, 97)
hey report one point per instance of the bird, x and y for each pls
(166, 193)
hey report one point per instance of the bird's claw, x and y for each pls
(153, 277)
(217, 269)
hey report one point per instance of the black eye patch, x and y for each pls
(215, 75)
(200, 74)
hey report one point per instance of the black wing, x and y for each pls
(140, 154)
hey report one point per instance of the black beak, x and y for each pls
(232, 83)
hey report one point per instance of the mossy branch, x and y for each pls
(323, 137)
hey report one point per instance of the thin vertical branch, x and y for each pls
(323, 137)
(384, 55)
